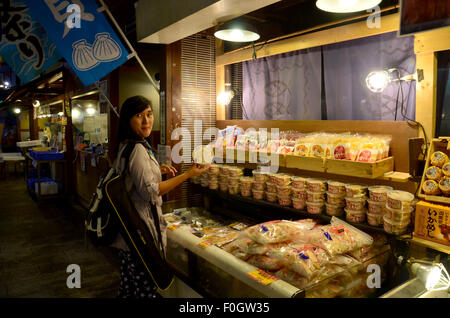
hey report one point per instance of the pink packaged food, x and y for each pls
(336, 199)
(374, 219)
(355, 216)
(258, 194)
(271, 187)
(336, 187)
(284, 191)
(376, 207)
(314, 207)
(259, 186)
(379, 193)
(298, 204)
(315, 196)
(355, 190)
(316, 185)
(284, 200)
(298, 182)
(271, 196)
(299, 194)
(335, 210)
(355, 204)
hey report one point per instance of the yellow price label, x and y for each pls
(262, 277)
(173, 227)
(204, 244)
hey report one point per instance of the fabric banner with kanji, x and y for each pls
(82, 35)
(24, 45)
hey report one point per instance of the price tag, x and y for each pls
(262, 277)
(173, 227)
(204, 244)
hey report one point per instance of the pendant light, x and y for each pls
(237, 31)
(346, 6)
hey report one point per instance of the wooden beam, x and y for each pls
(432, 41)
(220, 81)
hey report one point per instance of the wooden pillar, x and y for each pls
(69, 86)
(33, 122)
(220, 81)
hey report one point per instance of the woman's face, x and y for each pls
(142, 123)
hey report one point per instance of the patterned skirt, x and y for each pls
(135, 281)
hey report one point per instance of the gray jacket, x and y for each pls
(142, 180)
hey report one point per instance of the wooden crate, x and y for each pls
(437, 144)
(369, 170)
(306, 163)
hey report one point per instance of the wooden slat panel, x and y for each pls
(399, 130)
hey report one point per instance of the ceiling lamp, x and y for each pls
(345, 6)
(237, 31)
(377, 81)
(36, 103)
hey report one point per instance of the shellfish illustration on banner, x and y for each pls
(82, 56)
(105, 48)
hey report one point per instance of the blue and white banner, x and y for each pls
(24, 45)
(82, 35)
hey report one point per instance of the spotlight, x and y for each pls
(36, 103)
(377, 81)
(237, 31)
(16, 110)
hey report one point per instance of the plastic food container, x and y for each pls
(223, 187)
(223, 178)
(271, 196)
(315, 196)
(316, 185)
(400, 200)
(399, 216)
(225, 170)
(298, 204)
(299, 193)
(233, 190)
(355, 216)
(259, 186)
(233, 181)
(260, 177)
(235, 172)
(375, 207)
(271, 187)
(258, 194)
(284, 200)
(374, 219)
(214, 185)
(272, 178)
(298, 182)
(379, 193)
(213, 178)
(214, 169)
(336, 199)
(336, 187)
(246, 192)
(204, 183)
(246, 183)
(314, 207)
(355, 190)
(282, 179)
(334, 210)
(392, 227)
(355, 204)
(284, 191)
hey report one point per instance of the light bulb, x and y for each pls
(60, 113)
(36, 103)
(237, 34)
(76, 113)
(433, 277)
(225, 97)
(377, 81)
(90, 111)
(17, 110)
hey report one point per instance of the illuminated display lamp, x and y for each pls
(346, 6)
(90, 111)
(237, 31)
(36, 103)
(17, 110)
(377, 81)
(433, 275)
(225, 97)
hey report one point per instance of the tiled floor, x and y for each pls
(38, 242)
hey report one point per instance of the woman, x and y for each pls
(144, 183)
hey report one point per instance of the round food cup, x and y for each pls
(214, 169)
(298, 204)
(315, 196)
(336, 187)
(258, 194)
(233, 190)
(271, 187)
(204, 183)
(315, 207)
(272, 178)
(246, 183)
(259, 186)
(284, 191)
(403, 217)
(299, 194)
(376, 207)
(284, 200)
(336, 199)
(392, 227)
(374, 219)
(334, 210)
(271, 196)
(235, 172)
(282, 179)
(316, 185)
(246, 192)
(214, 186)
(400, 200)
(233, 181)
(298, 182)
(355, 216)
(379, 193)
(355, 204)
(355, 190)
(223, 187)
(225, 170)
(260, 177)
(223, 178)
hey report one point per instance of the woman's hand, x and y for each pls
(166, 169)
(197, 169)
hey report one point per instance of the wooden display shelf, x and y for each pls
(370, 170)
(306, 163)
(433, 245)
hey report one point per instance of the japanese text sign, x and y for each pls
(82, 35)
(24, 45)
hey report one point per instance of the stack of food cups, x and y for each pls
(283, 182)
(213, 176)
(259, 184)
(298, 192)
(377, 204)
(246, 186)
(234, 175)
(335, 198)
(204, 179)
(355, 200)
(315, 195)
(399, 208)
(271, 188)
(223, 179)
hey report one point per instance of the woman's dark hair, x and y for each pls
(130, 107)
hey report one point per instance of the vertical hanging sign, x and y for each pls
(82, 35)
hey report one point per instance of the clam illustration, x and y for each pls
(82, 56)
(106, 48)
